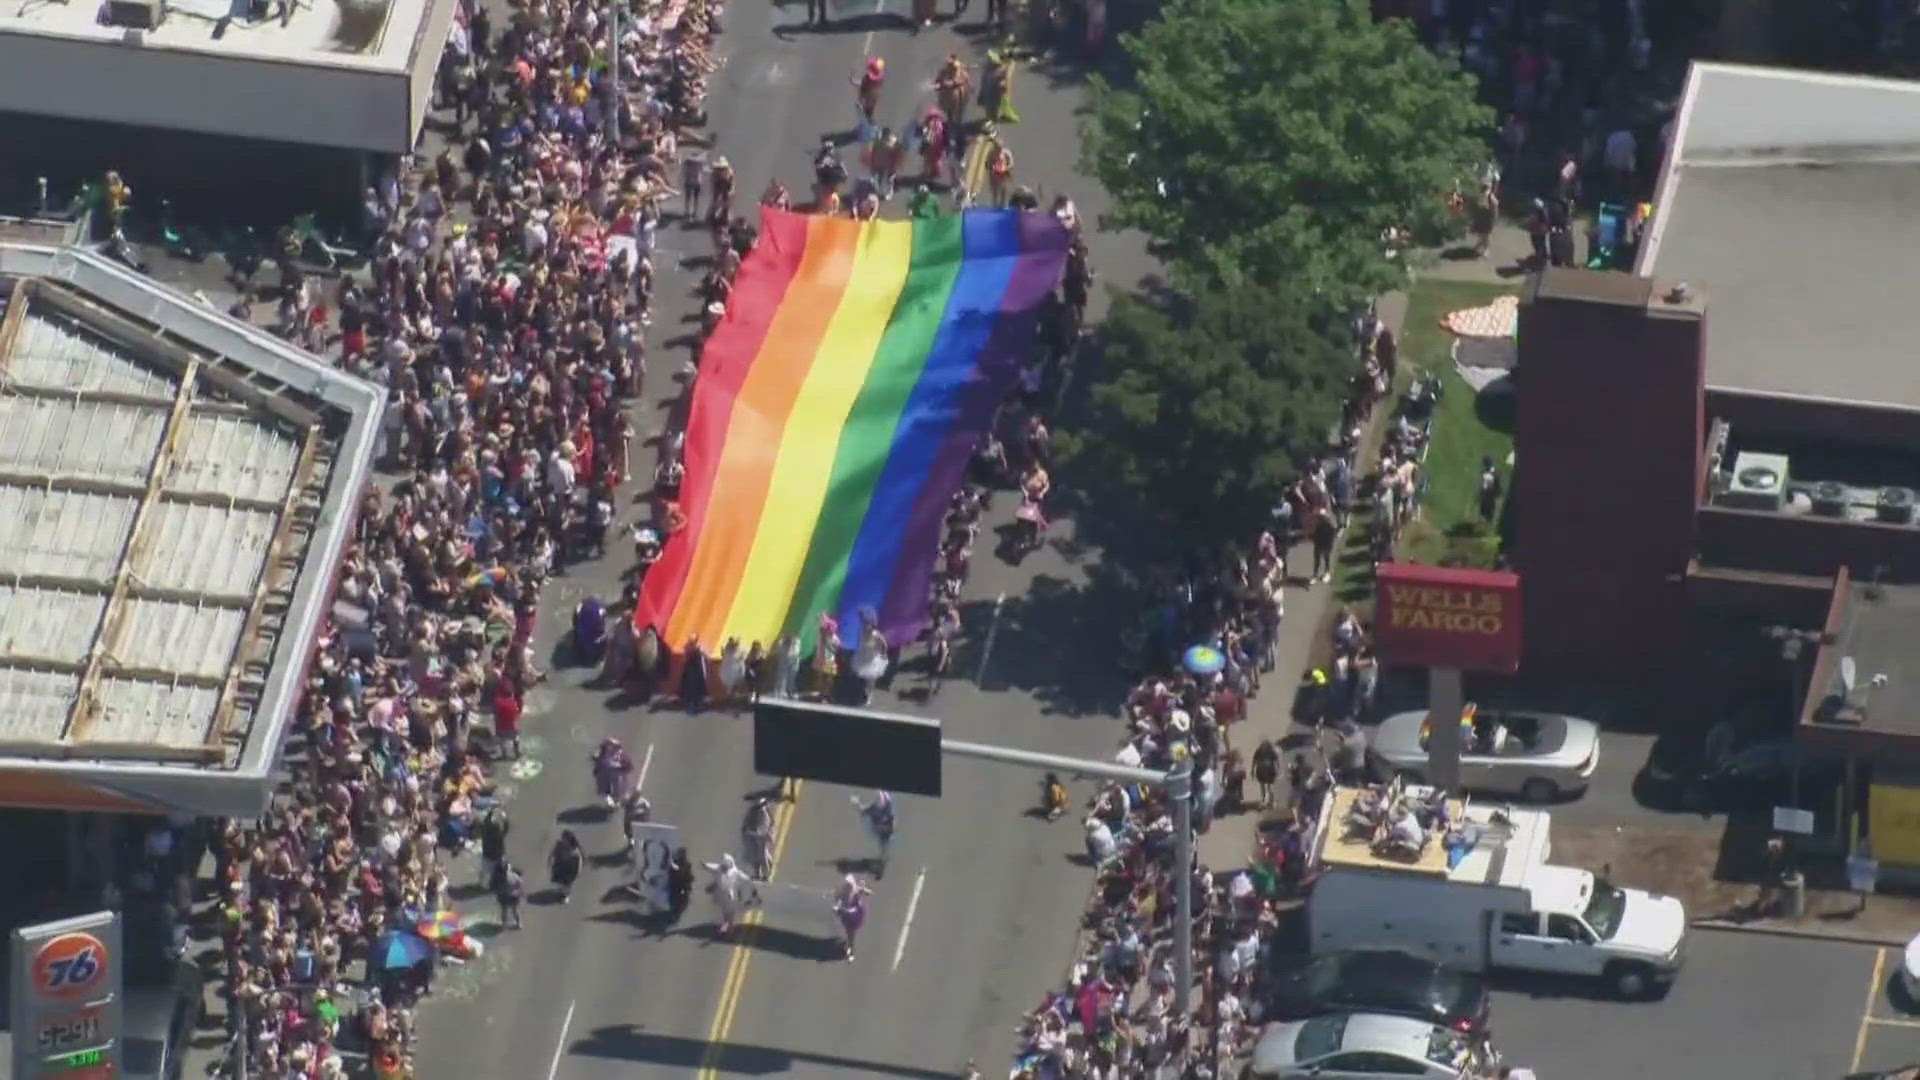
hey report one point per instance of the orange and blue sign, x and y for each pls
(70, 966)
(1445, 617)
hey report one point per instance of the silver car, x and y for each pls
(1362, 1046)
(1538, 756)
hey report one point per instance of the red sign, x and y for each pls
(70, 966)
(1438, 616)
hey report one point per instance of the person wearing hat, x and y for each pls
(867, 99)
(721, 174)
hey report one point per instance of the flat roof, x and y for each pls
(1502, 843)
(1799, 263)
(345, 74)
(316, 31)
(175, 490)
(1878, 629)
(1788, 196)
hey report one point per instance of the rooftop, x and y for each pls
(1877, 629)
(316, 31)
(1497, 845)
(175, 488)
(1788, 195)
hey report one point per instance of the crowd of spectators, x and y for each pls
(1116, 1017)
(1574, 93)
(505, 307)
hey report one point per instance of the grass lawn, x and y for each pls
(1450, 529)
(1461, 437)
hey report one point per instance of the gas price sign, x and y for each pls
(66, 992)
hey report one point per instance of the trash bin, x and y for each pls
(1793, 895)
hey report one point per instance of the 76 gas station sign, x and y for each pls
(66, 999)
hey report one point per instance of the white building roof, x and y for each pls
(1787, 197)
(175, 488)
(327, 31)
(352, 74)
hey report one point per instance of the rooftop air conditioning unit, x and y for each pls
(136, 14)
(1895, 506)
(1758, 482)
(1829, 499)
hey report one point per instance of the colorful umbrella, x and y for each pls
(443, 925)
(494, 576)
(1203, 660)
(398, 950)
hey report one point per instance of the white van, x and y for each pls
(1485, 897)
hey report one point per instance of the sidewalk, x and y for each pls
(1269, 715)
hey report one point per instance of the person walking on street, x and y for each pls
(879, 817)
(509, 888)
(850, 905)
(732, 890)
(817, 13)
(493, 844)
(563, 863)
(952, 86)
(1324, 533)
(756, 837)
(999, 170)
(786, 666)
(635, 811)
(693, 678)
(692, 176)
(1266, 771)
(679, 884)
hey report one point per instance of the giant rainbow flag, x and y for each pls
(836, 407)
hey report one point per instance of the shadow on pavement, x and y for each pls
(1059, 643)
(630, 1043)
(769, 939)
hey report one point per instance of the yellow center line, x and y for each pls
(1866, 1013)
(735, 981)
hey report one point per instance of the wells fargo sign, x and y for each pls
(1436, 616)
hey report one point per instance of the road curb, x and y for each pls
(1730, 926)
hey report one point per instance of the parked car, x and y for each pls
(1382, 981)
(1537, 756)
(1364, 1046)
(1733, 765)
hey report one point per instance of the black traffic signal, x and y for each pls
(839, 745)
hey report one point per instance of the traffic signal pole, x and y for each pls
(1178, 784)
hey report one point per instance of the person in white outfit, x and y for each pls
(731, 889)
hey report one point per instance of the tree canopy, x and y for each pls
(1275, 140)
(1201, 414)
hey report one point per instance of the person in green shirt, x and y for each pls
(924, 204)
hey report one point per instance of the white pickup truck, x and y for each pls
(1485, 897)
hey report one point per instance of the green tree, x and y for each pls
(1274, 140)
(1202, 409)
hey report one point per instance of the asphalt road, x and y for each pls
(1747, 1005)
(975, 916)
